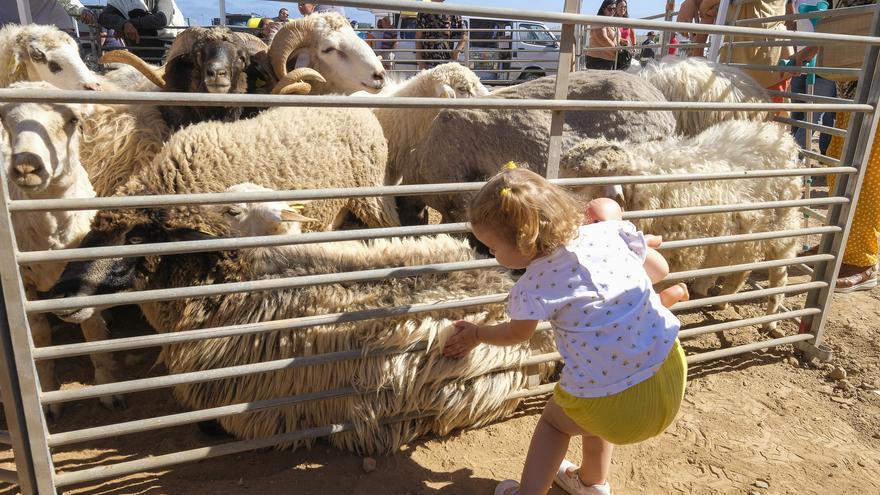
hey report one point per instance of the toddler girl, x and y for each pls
(624, 374)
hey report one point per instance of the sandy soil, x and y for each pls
(768, 422)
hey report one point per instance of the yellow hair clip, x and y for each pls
(297, 206)
(510, 165)
(505, 191)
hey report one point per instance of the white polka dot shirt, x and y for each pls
(607, 320)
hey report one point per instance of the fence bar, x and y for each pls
(745, 296)
(254, 100)
(19, 381)
(742, 349)
(833, 131)
(162, 339)
(596, 20)
(818, 14)
(159, 200)
(705, 272)
(806, 97)
(730, 325)
(820, 157)
(756, 236)
(799, 69)
(856, 151)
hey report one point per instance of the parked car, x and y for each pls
(501, 50)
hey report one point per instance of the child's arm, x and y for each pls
(468, 335)
(656, 266)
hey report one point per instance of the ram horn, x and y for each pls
(156, 75)
(184, 42)
(287, 41)
(253, 44)
(297, 81)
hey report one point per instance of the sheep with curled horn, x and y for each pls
(326, 43)
(212, 60)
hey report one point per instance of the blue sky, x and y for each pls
(201, 11)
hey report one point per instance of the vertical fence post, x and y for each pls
(34, 424)
(665, 36)
(24, 12)
(856, 153)
(562, 72)
(13, 409)
(715, 40)
(222, 12)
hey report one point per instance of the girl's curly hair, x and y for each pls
(535, 215)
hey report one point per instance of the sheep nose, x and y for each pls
(27, 169)
(379, 75)
(92, 86)
(215, 71)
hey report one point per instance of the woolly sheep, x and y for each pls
(468, 145)
(698, 80)
(42, 53)
(419, 381)
(42, 149)
(733, 146)
(327, 43)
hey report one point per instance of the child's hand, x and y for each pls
(462, 341)
(653, 241)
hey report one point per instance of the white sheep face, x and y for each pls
(453, 80)
(54, 60)
(345, 60)
(261, 218)
(42, 140)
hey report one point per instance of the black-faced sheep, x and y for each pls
(43, 53)
(469, 145)
(733, 146)
(42, 152)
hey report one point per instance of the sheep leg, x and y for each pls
(41, 334)
(702, 285)
(777, 277)
(94, 329)
(731, 285)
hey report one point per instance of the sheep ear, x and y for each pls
(291, 215)
(446, 91)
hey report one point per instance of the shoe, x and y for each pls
(853, 278)
(567, 479)
(507, 487)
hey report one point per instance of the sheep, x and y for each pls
(732, 146)
(266, 218)
(208, 60)
(415, 382)
(698, 80)
(405, 128)
(43, 53)
(43, 155)
(468, 145)
(327, 43)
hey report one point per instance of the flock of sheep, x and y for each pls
(88, 150)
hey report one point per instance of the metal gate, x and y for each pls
(23, 399)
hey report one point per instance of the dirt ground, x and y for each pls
(769, 422)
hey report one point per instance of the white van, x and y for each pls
(498, 49)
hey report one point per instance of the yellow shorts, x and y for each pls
(639, 412)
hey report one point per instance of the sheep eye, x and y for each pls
(135, 239)
(38, 56)
(233, 212)
(54, 67)
(328, 50)
(73, 120)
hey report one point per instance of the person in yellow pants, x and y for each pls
(859, 268)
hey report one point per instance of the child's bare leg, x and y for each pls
(674, 294)
(548, 447)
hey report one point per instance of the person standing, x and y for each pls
(603, 37)
(283, 16)
(434, 38)
(384, 39)
(56, 12)
(648, 52)
(138, 22)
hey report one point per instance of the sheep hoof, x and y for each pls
(113, 402)
(773, 330)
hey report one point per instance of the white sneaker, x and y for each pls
(507, 487)
(567, 479)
